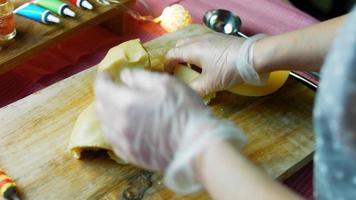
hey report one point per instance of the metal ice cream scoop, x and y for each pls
(223, 21)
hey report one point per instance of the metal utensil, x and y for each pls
(227, 22)
(223, 21)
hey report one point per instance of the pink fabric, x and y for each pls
(88, 48)
(267, 16)
(302, 181)
(258, 16)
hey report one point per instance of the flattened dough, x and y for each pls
(275, 81)
(87, 134)
(87, 123)
(130, 54)
(187, 75)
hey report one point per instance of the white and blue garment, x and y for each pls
(335, 119)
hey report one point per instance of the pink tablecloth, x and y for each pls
(86, 49)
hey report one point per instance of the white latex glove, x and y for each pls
(158, 123)
(225, 61)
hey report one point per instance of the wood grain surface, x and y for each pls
(35, 132)
(33, 36)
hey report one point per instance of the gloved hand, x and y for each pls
(158, 123)
(225, 61)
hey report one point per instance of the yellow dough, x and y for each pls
(187, 75)
(274, 82)
(130, 54)
(86, 134)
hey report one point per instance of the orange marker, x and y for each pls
(7, 187)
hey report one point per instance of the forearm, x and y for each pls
(303, 49)
(226, 174)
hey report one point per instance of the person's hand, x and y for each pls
(215, 53)
(156, 122)
(225, 61)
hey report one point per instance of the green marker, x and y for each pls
(56, 6)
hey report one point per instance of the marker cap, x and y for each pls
(53, 19)
(87, 5)
(68, 12)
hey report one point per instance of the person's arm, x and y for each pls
(303, 49)
(223, 60)
(233, 176)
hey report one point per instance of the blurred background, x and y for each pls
(324, 9)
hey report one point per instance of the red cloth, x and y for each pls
(302, 181)
(88, 48)
(26, 77)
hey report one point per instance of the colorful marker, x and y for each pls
(7, 187)
(82, 4)
(56, 6)
(36, 13)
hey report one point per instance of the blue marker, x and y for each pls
(36, 13)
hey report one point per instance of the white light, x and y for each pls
(175, 17)
(228, 28)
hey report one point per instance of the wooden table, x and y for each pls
(33, 37)
(35, 132)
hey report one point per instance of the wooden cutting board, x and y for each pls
(35, 132)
